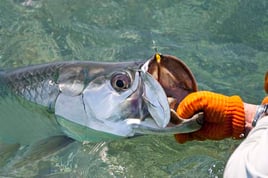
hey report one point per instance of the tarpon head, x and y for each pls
(126, 99)
(109, 100)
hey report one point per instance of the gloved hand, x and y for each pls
(224, 116)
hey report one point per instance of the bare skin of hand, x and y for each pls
(250, 111)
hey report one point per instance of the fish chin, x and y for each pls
(119, 128)
(85, 133)
(147, 122)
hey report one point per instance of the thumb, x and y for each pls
(192, 104)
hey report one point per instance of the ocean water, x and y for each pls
(224, 43)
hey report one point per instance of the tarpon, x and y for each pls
(94, 101)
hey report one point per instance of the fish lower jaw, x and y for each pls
(148, 121)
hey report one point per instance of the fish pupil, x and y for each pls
(120, 83)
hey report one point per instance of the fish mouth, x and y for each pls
(176, 81)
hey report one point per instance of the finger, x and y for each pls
(213, 131)
(192, 104)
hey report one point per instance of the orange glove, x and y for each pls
(223, 116)
(266, 82)
(265, 100)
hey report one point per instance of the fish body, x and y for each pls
(91, 101)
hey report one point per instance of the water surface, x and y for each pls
(223, 42)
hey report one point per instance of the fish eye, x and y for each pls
(121, 81)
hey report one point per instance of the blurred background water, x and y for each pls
(225, 44)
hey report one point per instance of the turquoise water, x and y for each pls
(225, 44)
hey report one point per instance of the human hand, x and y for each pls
(224, 116)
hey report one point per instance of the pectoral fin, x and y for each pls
(42, 149)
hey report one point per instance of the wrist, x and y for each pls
(250, 111)
(262, 110)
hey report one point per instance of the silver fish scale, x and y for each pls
(37, 84)
(44, 93)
